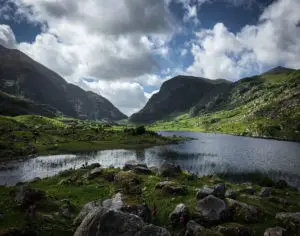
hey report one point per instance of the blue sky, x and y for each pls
(125, 49)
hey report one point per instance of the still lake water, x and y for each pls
(208, 154)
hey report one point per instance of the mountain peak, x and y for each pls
(279, 70)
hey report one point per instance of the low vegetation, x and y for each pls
(31, 134)
(75, 188)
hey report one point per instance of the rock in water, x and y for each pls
(170, 170)
(276, 231)
(211, 209)
(180, 211)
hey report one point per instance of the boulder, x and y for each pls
(180, 210)
(137, 167)
(153, 230)
(94, 173)
(86, 209)
(233, 229)
(211, 209)
(265, 192)
(128, 181)
(172, 188)
(141, 210)
(219, 191)
(204, 192)
(243, 212)
(290, 221)
(170, 170)
(281, 184)
(230, 193)
(105, 222)
(276, 231)
(26, 196)
(193, 229)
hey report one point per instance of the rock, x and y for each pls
(243, 212)
(248, 190)
(180, 211)
(104, 222)
(169, 170)
(93, 166)
(219, 191)
(128, 181)
(204, 192)
(26, 196)
(193, 229)
(109, 176)
(230, 193)
(281, 184)
(265, 192)
(211, 209)
(66, 211)
(290, 221)
(137, 167)
(141, 210)
(233, 229)
(116, 203)
(94, 173)
(276, 231)
(47, 218)
(86, 209)
(172, 188)
(153, 230)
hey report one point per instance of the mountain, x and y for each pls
(178, 95)
(23, 77)
(266, 105)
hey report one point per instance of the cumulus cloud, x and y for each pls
(7, 37)
(275, 40)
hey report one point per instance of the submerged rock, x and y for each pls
(211, 209)
(276, 231)
(180, 215)
(170, 170)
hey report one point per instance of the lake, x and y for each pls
(208, 154)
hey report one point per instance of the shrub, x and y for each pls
(140, 130)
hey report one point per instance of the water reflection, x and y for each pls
(209, 154)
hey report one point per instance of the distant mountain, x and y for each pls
(178, 95)
(23, 77)
(278, 70)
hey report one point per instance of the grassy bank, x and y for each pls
(31, 135)
(74, 188)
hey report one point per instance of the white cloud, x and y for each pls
(219, 53)
(7, 37)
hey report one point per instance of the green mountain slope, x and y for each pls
(23, 77)
(178, 95)
(267, 105)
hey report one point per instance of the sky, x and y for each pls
(125, 49)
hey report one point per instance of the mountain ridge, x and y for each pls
(21, 76)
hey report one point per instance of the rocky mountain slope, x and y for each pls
(178, 95)
(267, 105)
(25, 78)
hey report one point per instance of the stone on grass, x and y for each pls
(137, 167)
(230, 193)
(233, 229)
(26, 196)
(172, 188)
(66, 211)
(243, 212)
(276, 231)
(94, 173)
(180, 210)
(169, 170)
(128, 181)
(211, 209)
(265, 192)
(204, 192)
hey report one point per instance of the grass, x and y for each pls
(79, 191)
(31, 135)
